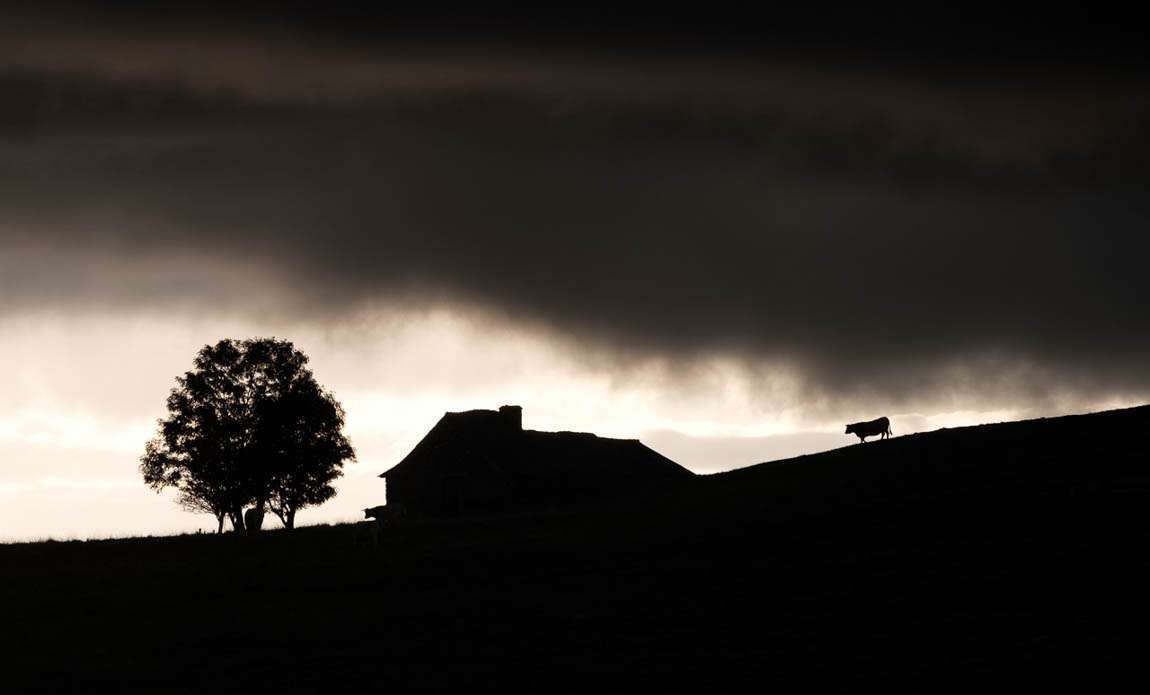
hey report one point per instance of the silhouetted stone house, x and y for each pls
(484, 461)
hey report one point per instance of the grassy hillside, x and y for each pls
(1011, 550)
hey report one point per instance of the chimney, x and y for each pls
(512, 417)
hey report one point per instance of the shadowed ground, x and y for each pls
(983, 554)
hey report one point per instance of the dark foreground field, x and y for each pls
(1013, 552)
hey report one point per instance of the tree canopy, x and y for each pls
(248, 426)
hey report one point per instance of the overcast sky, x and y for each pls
(726, 235)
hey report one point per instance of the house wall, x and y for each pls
(448, 495)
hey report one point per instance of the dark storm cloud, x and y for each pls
(883, 229)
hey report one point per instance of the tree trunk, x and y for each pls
(237, 516)
(285, 514)
(220, 516)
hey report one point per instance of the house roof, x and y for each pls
(483, 443)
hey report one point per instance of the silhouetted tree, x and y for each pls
(248, 425)
(193, 503)
(305, 444)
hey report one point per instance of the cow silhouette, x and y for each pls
(379, 517)
(253, 519)
(880, 426)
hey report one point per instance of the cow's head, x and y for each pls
(850, 429)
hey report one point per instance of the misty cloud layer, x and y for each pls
(878, 230)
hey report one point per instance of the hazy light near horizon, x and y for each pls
(91, 383)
